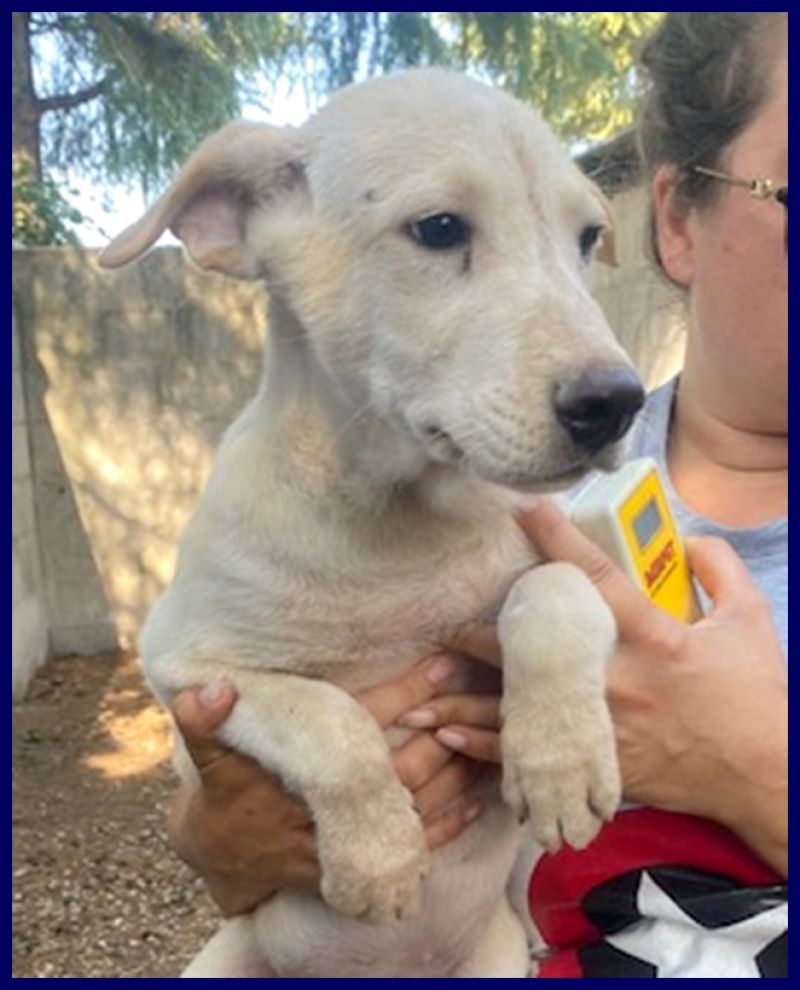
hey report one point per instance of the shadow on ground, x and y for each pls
(97, 891)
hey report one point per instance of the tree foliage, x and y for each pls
(155, 82)
(576, 67)
(126, 96)
(40, 216)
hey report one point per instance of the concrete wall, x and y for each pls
(29, 642)
(129, 379)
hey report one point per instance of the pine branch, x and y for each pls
(68, 101)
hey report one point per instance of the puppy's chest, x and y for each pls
(400, 605)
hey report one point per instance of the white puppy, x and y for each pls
(433, 349)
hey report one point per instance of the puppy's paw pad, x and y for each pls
(376, 873)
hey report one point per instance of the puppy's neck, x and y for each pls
(325, 437)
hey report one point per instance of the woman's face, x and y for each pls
(731, 257)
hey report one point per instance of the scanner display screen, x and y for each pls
(647, 523)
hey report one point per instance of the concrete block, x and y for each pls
(18, 414)
(20, 454)
(29, 644)
(29, 639)
(22, 514)
(85, 640)
(35, 386)
(26, 551)
(16, 354)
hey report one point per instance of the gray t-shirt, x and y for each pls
(765, 549)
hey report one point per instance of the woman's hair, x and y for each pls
(708, 76)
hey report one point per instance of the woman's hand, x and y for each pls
(466, 723)
(240, 830)
(700, 712)
(248, 838)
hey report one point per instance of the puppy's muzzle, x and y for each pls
(597, 407)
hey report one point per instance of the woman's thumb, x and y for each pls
(198, 713)
(719, 569)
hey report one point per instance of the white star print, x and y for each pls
(678, 946)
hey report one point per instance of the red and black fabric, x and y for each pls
(659, 895)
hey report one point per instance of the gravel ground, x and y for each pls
(97, 891)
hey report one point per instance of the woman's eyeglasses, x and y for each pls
(758, 188)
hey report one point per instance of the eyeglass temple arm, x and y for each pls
(761, 188)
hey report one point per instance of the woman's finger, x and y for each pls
(481, 711)
(452, 823)
(559, 539)
(387, 701)
(419, 759)
(452, 782)
(198, 713)
(720, 570)
(479, 744)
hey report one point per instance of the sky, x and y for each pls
(109, 209)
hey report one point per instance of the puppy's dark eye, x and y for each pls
(440, 231)
(589, 237)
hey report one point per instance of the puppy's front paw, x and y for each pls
(373, 856)
(560, 772)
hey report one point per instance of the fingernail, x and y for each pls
(215, 692)
(451, 738)
(472, 811)
(529, 503)
(419, 718)
(439, 669)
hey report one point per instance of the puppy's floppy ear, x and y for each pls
(207, 205)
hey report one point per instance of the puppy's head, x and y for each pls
(433, 240)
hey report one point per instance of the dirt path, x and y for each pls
(97, 892)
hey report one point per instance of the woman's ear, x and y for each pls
(672, 229)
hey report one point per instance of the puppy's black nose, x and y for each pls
(597, 407)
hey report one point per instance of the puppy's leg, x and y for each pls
(232, 952)
(329, 750)
(559, 755)
(502, 950)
